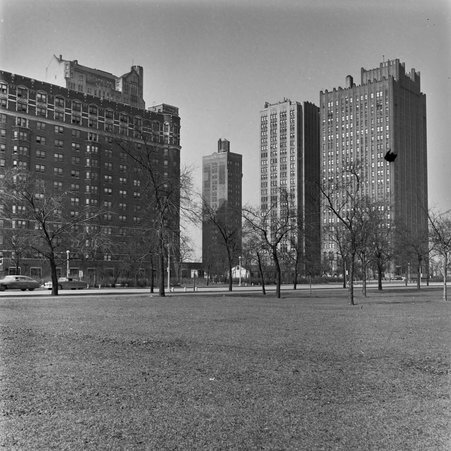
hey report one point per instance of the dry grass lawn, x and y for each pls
(220, 372)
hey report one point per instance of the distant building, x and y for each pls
(70, 137)
(222, 196)
(127, 88)
(382, 124)
(290, 161)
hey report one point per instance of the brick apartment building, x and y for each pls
(74, 138)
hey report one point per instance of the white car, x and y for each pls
(18, 282)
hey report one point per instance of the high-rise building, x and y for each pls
(222, 198)
(290, 163)
(381, 124)
(127, 88)
(76, 142)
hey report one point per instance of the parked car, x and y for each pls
(18, 282)
(68, 283)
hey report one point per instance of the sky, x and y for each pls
(219, 61)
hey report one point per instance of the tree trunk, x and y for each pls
(152, 275)
(379, 276)
(262, 276)
(54, 275)
(419, 274)
(445, 274)
(278, 271)
(295, 279)
(351, 279)
(364, 276)
(229, 257)
(162, 269)
(344, 273)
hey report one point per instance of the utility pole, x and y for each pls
(67, 263)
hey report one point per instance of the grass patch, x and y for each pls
(226, 372)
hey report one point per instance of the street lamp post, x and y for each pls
(67, 263)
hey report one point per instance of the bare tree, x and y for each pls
(185, 253)
(274, 225)
(380, 241)
(440, 234)
(45, 213)
(228, 232)
(18, 245)
(412, 247)
(254, 251)
(351, 208)
(338, 234)
(165, 189)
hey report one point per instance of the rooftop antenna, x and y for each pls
(383, 58)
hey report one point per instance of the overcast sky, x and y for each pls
(219, 61)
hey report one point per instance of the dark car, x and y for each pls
(68, 283)
(19, 283)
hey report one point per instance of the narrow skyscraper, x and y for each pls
(222, 199)
(289, 162)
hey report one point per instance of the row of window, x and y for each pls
(78, 108)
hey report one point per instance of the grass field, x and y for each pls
(221, 371)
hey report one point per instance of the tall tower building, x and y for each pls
(222, 197)
(380, 123)
(290, 161)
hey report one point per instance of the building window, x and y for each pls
(59, 116)
(40, 139)
(22, 93)
(20, 121)
(40, 125)
(59, 102)
(75, 133)
(41, 97)
(57, 171)
(59, 129)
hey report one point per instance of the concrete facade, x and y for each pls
(290, 160)
(386, 113)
